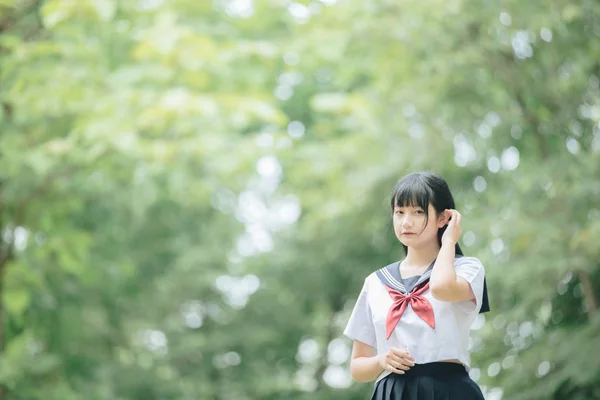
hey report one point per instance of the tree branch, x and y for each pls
(588, 294)
(534, 124)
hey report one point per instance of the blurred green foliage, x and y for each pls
(192, 192)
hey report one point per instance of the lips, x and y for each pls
(408, 233)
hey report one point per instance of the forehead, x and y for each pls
(398, 206)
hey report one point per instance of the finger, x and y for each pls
(456, 217)
(399, 352)
(394, 370)
(399, 365)
(398, 370)
(404, 360)
(406, 355)
(451, 216)
(408, 361)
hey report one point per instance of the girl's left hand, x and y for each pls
(452, 233)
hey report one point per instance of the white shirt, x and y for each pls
(453, 320)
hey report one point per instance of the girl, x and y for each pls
(412, 319)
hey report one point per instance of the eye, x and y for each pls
(419, 212)
(398, 212)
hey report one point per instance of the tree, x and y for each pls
(191, 193)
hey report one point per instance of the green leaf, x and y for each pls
(16, 301)
(106, 9)
(54, 12)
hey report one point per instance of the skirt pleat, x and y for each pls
(411, 389)
(426, 388)
(390, 387)
(432, 381)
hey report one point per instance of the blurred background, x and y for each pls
(193, 191)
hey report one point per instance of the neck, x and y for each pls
(422, 256)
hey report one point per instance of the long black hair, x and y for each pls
(418, 189)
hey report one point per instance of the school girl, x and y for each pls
(412, 319)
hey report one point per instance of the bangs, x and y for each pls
(411, 192)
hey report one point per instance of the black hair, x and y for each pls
(418, 189)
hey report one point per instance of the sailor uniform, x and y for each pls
(402, 313)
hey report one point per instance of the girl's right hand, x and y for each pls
(396, 360)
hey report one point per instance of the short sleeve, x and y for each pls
(360, 326)
(471, 269)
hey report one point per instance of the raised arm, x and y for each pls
(444, 284)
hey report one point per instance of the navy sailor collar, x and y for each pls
(390, 276)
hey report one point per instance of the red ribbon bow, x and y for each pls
(420, 305)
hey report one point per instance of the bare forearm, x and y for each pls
(443, 276)
(365, 369)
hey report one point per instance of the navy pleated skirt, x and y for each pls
(432, 381)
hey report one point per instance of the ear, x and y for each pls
(443, 219)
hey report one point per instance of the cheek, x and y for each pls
(431, 224)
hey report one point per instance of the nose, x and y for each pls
(407, 222)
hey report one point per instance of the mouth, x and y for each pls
(407, 233)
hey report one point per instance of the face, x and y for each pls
(414, 229)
